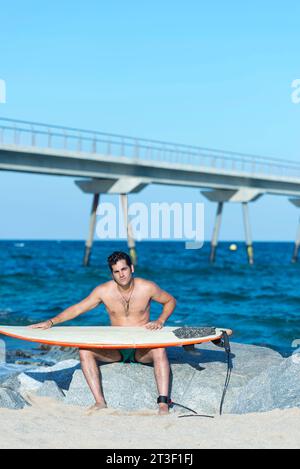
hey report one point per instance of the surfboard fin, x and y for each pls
(189, 348)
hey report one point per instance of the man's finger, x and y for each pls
(153, 326)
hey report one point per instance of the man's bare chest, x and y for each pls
(117, 304)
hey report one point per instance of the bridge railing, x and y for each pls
(38, 135)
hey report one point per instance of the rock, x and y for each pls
(203, 390)
(12, 383)
(22, 354)
(32, 379)
(21, 384)
(11, 399)
(25, 362)
(50, 389)
(44, 355)
(61, 373)
(248, 360)
(277, 387)
(197, 379)
(8, 371)
(126, 386)
(56, 353)
(44, 347)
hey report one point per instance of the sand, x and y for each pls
(51, 424)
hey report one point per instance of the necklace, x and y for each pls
(125, 300)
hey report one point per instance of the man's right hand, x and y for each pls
(41, 325)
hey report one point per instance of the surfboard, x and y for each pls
(110, 337)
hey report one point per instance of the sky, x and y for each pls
(214, 74)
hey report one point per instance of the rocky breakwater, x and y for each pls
(261, 380)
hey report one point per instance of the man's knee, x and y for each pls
(159, 354)
(150, 355)
(85, 354)
(106, 356)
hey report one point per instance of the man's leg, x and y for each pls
(159, 358)
(89, 364)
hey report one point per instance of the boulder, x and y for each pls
(11, 399)
(50, 389)
(203, 390)
(8, 370)
(61, 373)
(126, 386)
(277, 387)
(197, 379)
(57, 353)
(32, 379)
(21, 383)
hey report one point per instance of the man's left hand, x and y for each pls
(154, 325)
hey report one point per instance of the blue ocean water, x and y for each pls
(261, 303)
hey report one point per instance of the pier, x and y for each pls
(118, 164)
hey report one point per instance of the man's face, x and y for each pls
(122, 273)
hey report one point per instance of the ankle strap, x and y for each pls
(164, 399)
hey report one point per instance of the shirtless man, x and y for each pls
(127, 301)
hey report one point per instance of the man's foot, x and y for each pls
(163, 409)
(95, 407)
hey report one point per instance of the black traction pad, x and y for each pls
(194, 332)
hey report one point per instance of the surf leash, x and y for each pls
(223, 341)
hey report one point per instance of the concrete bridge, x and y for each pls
(110, 163)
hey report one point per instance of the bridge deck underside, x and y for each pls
(86, 165)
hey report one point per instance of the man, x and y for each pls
(127, 301)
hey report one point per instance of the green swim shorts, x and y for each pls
(128, 355)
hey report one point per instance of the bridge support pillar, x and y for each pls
(248, 236)
(297, 245)
(296, 202)
(243, 196)
(89, 241)
(128, 228)
(123, 187)
(216, 231)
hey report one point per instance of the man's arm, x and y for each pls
(168, 301)
(88, 303)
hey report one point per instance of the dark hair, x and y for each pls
(118, 256)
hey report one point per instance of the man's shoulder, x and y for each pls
(144, 283)
(104, 287)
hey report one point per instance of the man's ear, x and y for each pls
(132, 268)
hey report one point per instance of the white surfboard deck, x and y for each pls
(105, 336)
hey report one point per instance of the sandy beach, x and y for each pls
(50, 424)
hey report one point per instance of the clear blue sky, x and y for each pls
(213, 74)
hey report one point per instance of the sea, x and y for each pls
(260, 302)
